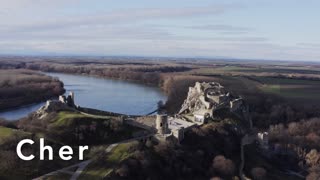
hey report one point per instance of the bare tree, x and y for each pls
(223, 165)
(258, 173)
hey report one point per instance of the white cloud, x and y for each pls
(47, 27)
(223, 28)
(116, 17)
(309, 45)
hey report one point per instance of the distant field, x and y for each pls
(301, 90)
(220, 70)
(290, 88)
(256, 70)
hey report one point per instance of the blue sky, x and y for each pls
(260, 29)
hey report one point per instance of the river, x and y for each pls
(104, 94)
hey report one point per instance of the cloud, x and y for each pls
(23, 4)
(118, 17)
(65, 27)
(116, 24)
(222, 28)
(309, 45)
(240, 39)
(160, 47)
(119, 32)
(91, 33)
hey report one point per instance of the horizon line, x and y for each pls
(162, 57)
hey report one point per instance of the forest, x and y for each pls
(23, 87)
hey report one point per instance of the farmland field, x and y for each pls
(291, 88)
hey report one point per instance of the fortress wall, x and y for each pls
(99, 112)
(139, 125)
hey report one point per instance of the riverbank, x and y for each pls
(174, 77)
(103, 94)
(23, 87)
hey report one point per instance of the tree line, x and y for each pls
(21, 87)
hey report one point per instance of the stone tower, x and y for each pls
(162, 124)
(70, 99)
(71, 94)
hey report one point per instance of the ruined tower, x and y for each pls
(162, 124)
(71, 94)
(70, 99)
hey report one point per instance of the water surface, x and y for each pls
(103, 94)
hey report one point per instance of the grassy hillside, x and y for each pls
(61, 128)
(104, 164)
(92, 129)
(67, 118)
(7, 133)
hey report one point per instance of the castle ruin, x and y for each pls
(64, 103)
(171, 127)
(162, 124)
(205, 98)
(68, 100)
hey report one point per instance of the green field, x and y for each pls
(5, 132)
(115, 157)
(219, 70)
(107, 129)
(237, 69)
(66, 118)
(291, 88)
(8, 132)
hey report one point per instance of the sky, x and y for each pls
(244, 29)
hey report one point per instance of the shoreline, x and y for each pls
(51, 74)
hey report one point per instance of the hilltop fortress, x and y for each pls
(200, 106)
(203, 100)
(206, 98)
